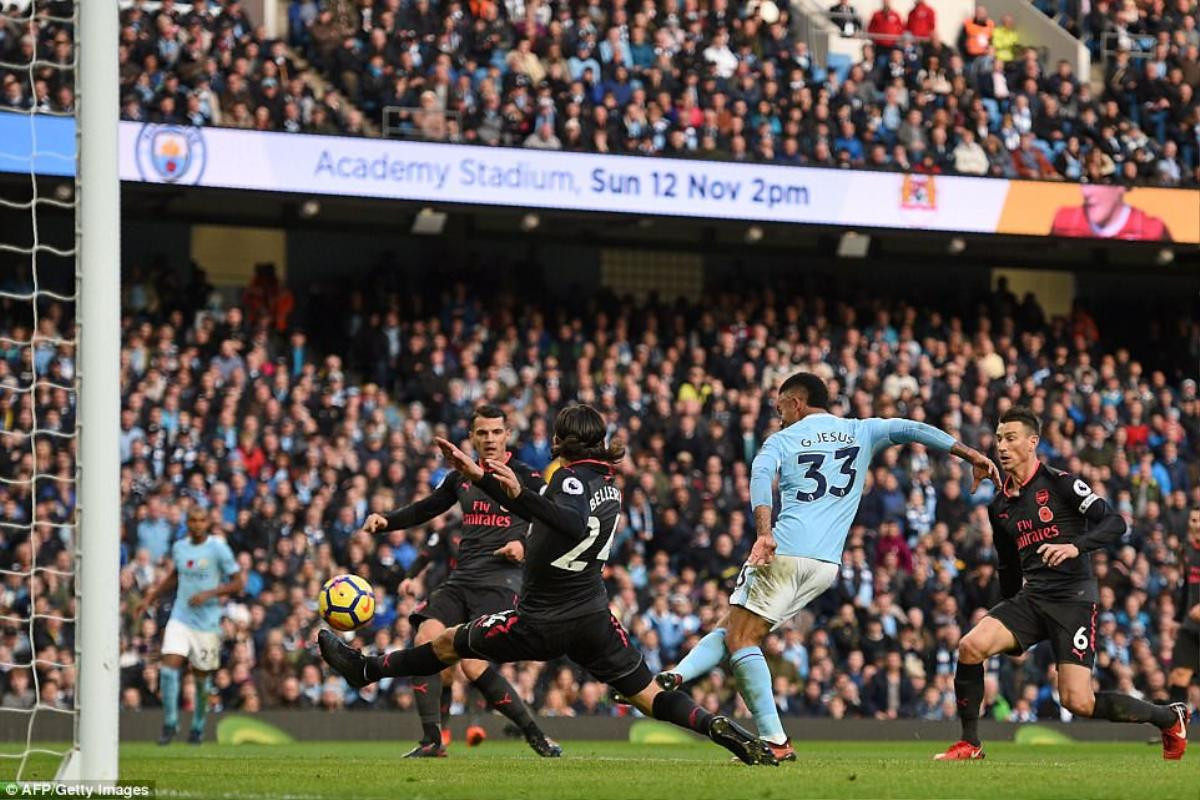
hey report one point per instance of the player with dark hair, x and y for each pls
(563, 610)
(822, 462)
(1185, 659)
(1044, 523)
(485, 578)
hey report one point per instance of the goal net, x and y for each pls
(59, 366)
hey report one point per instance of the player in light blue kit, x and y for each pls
(821, 461)
(204, 569)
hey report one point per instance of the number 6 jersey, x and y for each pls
(573, 522)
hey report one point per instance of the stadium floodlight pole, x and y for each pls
(99, 275)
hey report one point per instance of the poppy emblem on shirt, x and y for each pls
(190, 563)
(1045, 514)
(1042, 497)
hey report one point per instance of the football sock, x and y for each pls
(200, 713)
(427, 691)
(447, 698)
(168, 679)
(1117, 707)
(501, 696)
(403, 663)
(704, 657)
(968, 688)
(677, 708)
(1179, 694)
(754, 683)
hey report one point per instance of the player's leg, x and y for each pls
(176, 648)
(746, 631)
(1075, 651)
(501, 696)
(989, 637)
(700, 660)
(601, 645)
(170, 671)
(679, 709)
(203, 679)
(427, 693)
(1185, 657)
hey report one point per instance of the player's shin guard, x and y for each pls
(200, 713)
(704, 657)
(501, 696)
(754, 683)
(168, 680)
(1117, 707)
(427, 691)
(968, 689)
(404, 663)
(677, 708)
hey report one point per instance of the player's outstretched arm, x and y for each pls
(906, 431)
(418, 513)
(762, 485)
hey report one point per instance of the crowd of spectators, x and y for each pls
(716, 79)
(289, 447)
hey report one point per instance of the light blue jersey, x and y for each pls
(201, 567)
(822, 463)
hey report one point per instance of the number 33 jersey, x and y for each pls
(822, 463)
(573, 522)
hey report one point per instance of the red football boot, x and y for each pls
(965, 751)
(782, 752)
(1174, 738)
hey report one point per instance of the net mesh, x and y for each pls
(38, 390)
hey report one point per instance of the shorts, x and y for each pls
(1069, 625)
(453, 604)
(201, 648)
(1186, 654)
(596, 642)
(778, 591)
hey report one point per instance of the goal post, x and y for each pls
(98, 276)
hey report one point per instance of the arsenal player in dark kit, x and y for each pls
(485, 578)
(563, 609)
(1045, 522)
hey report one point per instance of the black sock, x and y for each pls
(1179, 694)
(403, 663)
(677, 708)
(501, 696)
(968, 688)
(1117, 707)
(447, 698)
(427, 691)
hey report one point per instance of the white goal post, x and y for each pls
(98, 276)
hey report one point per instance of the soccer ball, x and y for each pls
(346, 602)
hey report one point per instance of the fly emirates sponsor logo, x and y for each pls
(1027, 534)
(481, 514)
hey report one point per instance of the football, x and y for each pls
(346, 602)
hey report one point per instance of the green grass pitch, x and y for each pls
(621, 771)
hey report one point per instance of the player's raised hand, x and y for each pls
(983, 467)
(459, 460)
(763, 552)
(374, 523)
(508, 479)
(514, 551)
(1055, 554)
(408, 586)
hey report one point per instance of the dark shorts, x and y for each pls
(596, 642)
(452, 604)
(1069, 625)
(1186, 654)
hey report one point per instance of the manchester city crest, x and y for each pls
(171, 154)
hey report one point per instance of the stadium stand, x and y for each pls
(290, 444)
(716, 80)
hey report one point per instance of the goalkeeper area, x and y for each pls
(503, 770)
